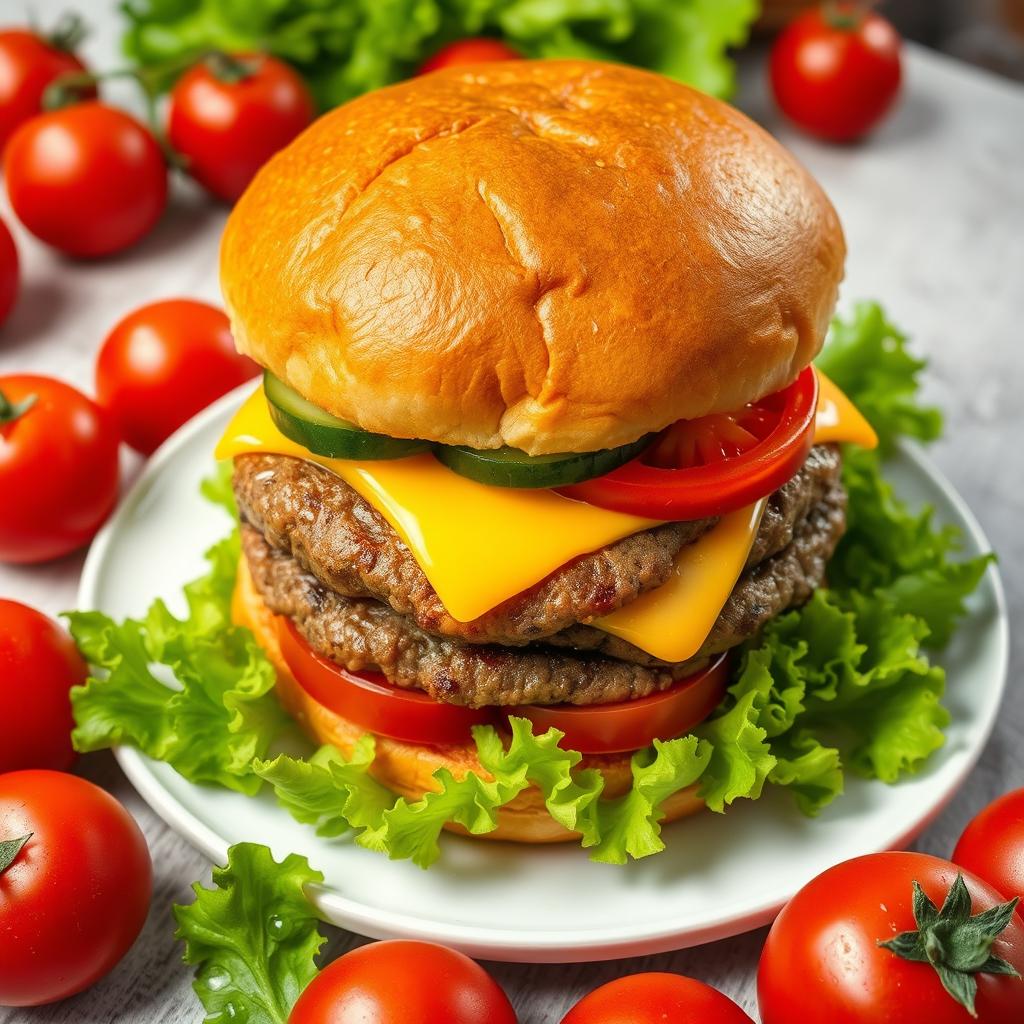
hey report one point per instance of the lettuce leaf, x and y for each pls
(253, 936)
(344, 49)
(210, 712)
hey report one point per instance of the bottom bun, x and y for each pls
(408, 768)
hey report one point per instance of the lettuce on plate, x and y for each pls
(842, 684)
(347, 48)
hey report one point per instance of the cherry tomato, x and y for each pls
(477, 50)
(822, 963)
(992, 846)
(403, 982)
(370, 701)
(9, 273)
(162, 364)
(229, 115)
(29, 62)
(39, 664)
(653, 999)
(716, 464)
(58, 468)
(633, 724)
(88, 179)
(74, 898)
(836, 71)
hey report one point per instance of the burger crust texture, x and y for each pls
(553, 255)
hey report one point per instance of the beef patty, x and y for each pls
(344, 542)
(579, 664)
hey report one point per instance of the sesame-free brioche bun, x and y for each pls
(553, 255)
(408, 768)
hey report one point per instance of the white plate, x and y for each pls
(720, 875)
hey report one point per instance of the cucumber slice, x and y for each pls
(324, 434)
(510, 467)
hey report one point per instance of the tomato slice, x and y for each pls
(633, 724)
(715, 464)
(369, 700)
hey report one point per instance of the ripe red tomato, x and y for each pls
(164, 363)
(403, 982)
(229, 115)
(39, 664)
(822, 963)
(29, 62)
(835, 72)
(88, 179)
(476, 50)
(992, 846)
(58, 468)
(76, 895)
(654, 998)
(9, 273)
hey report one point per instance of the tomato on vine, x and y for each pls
(87, 179)
(29, 63)
(230, 113)
(835, 70)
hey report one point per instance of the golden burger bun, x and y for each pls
(553, 255)
(408, 768)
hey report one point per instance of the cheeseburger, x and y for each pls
(538, 434)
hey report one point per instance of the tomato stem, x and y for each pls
(227, 68)
(955, 944)
(9, 850)
(846, 15)
(68, 32)
(11, 411)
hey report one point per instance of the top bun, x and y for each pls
(553, 255)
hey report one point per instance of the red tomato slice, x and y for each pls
(713, 465)
(369, 700)
(633, 724)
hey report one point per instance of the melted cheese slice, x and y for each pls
(477, 545)
(480, 545)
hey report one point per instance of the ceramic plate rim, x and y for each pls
(563, 945)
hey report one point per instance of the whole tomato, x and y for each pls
(87, 179)
(29, 62)
(75, 895)
(39, 664)
(822, 962)
(992, 846)
(58, 468)
(403, 982)
(162, 364)
(653, 999)
(9, 273)
(476, 50)
(229, 115)
(836, 71)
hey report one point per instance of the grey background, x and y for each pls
(933, 207)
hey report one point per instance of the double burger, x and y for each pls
(539, 433)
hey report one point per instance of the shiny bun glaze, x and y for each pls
(553, 255)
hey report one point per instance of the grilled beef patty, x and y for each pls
(343, 541)
(579, 664)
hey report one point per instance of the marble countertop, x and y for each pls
(933, 208)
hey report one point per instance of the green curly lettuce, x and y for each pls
(253, 937)
(348, 48)
(211, 711)
(842, 684)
